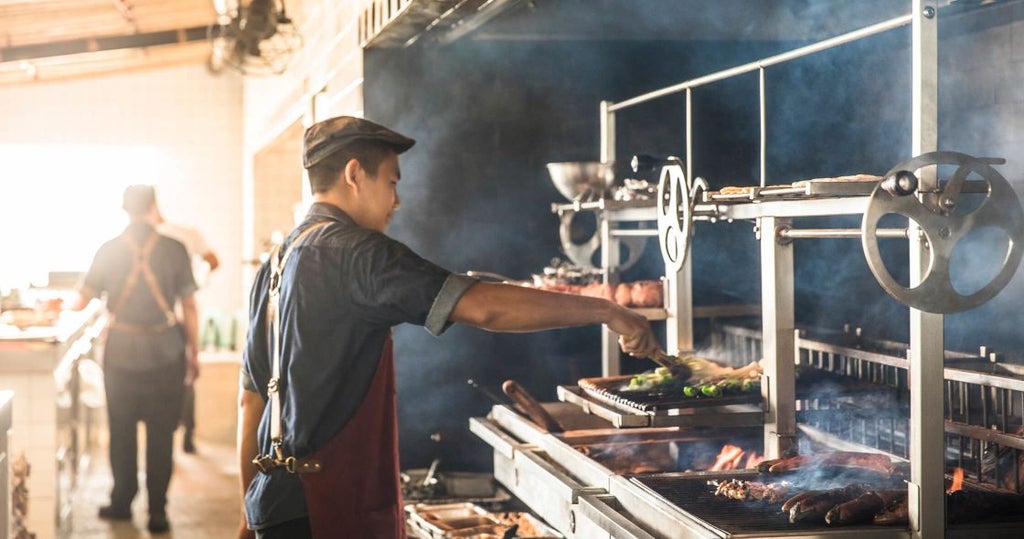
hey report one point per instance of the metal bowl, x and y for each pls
(582, 180)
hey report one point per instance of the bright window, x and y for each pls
(58, 204)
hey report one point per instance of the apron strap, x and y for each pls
(140, 260)
(277, 458)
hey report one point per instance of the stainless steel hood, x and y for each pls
(400, 23)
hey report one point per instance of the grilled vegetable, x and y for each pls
(709, 390)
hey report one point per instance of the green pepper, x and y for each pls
(711, 390)
(690, 391)
(751, 386)
(731, 385)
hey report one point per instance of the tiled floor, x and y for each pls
(203, 500)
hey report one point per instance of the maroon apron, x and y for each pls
(357, 494)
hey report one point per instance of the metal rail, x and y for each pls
(766, 62)
(815, 233)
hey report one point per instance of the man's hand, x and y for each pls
(191, 366)
(635, 335)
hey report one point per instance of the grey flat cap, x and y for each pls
(326, 137)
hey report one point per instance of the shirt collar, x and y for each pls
(320, 210)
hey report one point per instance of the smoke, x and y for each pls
(490, 110)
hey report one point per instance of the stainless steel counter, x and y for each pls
(41, 366)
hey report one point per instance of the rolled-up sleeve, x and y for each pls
(451, 291)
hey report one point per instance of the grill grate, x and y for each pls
(731, 517)
(812, 384)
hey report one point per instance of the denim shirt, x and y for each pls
(342, 290)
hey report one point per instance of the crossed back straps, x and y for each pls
(140, 266)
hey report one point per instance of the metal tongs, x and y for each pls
(679, 370)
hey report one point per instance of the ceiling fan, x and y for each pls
(253, 39)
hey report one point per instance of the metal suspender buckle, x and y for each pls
(264, 463)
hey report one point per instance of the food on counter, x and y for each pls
(736, 190)
(623, 294)
(645, 294)
(27, 318)
(598, 290)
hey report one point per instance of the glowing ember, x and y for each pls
(731, 457)
(958, 481)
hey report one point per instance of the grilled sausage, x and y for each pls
(791, 464)
(814, 508)
(788, 504)
(857, 510)
(843, 459)
(897, 514)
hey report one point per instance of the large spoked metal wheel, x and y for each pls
(675, 216)
(942, 228)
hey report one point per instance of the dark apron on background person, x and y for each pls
(140, 266)
(139, 360)
(361, 459)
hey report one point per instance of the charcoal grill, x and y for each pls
(734, 518)
(983, 411)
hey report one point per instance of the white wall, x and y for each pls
(324, 79)
(190, 122)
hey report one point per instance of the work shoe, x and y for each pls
(110, 512)
(158, 523)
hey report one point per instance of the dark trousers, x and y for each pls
(154, 398)
(188, 410)
(291, 529)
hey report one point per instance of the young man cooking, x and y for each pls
(317, 406)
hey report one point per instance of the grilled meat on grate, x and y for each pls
(863, 508)
(873, 462)
(737, 489)
(814, 507)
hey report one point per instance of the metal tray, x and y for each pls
(455, 520)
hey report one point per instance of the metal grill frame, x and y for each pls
(983, 411)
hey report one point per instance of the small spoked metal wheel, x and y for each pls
(675, 216)
(942, 227)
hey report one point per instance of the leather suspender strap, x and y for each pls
(277, 459)
(140, 257)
